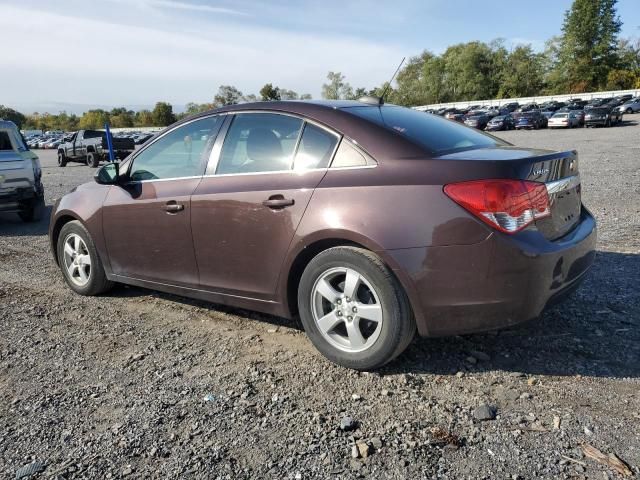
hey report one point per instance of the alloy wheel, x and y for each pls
(77, 260)
(346, 309)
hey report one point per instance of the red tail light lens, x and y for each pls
(507, 205)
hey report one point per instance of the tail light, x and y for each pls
(507, 205)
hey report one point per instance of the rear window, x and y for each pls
(429, 131)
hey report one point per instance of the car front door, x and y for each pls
(147, 218)
(246, 209)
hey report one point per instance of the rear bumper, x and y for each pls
(496, 283)
(595, 122)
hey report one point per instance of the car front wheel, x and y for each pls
(353, 308)
(79, 261)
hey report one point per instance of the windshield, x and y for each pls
(429, 131)
(561, 115)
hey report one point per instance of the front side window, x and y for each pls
(259, 142)
(316, 148)
(183, 152)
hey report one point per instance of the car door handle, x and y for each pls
(173, 207)
(278, 201)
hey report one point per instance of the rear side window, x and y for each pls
(5, 143)
(315, 149)
(349, 156)
(259, 142)
(435, 134)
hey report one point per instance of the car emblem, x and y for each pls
(541, 171)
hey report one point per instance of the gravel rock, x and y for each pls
(347, 424)
(484, 412)
(71, 392)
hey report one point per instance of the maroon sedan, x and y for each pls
(369, 221)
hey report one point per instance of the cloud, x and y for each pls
(176, 5)
(98, 60)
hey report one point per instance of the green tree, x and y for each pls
(269, 93)
(522, 73)
(162, 114)
(306, 96)
(16, 117)
(227, 95)
(336, 88)
(143, 118)
(91, 120)
(587, 51)
(622, 80)
(288, 94)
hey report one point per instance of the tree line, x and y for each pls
(587, 56)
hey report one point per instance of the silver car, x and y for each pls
(632, 106)
(21, 189)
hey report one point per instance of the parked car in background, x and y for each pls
(530, 120)
(564, 120)
(490, 235)
(576, 109)
(630, 106)
(596, 102)
(457, 115)
(478, 121)
(501, 122)
(511, 106)
(140, 139)
(21, 189)
(528, 107)
(91, 146)
(602, 116)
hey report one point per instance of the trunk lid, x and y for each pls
(557, 170)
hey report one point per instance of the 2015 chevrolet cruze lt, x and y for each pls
(369, 221)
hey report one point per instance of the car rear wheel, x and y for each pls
(62, 160)
(79, 261)
(92, 160)
(353, 309)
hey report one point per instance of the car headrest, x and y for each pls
(263, 145)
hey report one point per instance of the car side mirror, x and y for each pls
(107, 174)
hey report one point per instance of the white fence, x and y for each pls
(525, 100)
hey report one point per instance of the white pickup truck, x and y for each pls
(21, 189)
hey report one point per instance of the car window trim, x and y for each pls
(216, 151)
(135, 155)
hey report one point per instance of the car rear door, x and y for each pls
(147, 219)
(246, 209)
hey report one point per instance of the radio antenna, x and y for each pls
(386, 89)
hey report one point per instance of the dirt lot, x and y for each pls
(147, 385)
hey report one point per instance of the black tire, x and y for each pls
(628, 111)
(62, 159)
(398, 324)
(93, 160)
(608, 123)
(98, 282)
(33, 211)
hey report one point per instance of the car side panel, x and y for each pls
(84, 204)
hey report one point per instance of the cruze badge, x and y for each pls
(541, 171)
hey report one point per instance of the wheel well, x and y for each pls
(90, 150)
(55, 233)
(301, 262)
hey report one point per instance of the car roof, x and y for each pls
(7, 124)
(376, 140)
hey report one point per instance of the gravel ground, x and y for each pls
(138, 384)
